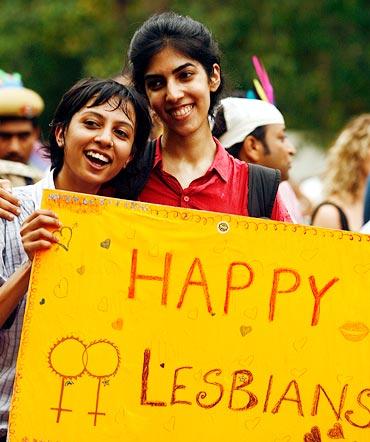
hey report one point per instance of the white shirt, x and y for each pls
(34, 191)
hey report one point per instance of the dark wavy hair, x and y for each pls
(185, 35)
(97, 91)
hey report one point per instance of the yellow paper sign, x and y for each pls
(156, 323)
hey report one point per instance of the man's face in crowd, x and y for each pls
(281, 150)
(16, 140)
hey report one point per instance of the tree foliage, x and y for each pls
(317, 53)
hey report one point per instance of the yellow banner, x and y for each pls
(156, 323)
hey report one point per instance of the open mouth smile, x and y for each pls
(97, 158)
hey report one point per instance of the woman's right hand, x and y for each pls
(36, 231)
(9, 204)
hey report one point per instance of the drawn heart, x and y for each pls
(313, 436)
(193, 314)
(162, 364)
(361, 269)
(299, 344)
(245, 329)
(64, 236)
(105, 244)
(298, 372)
(344, 379)
(336, 432)
(246, 362)
(154, 250)
(61, 289)
(117, 324)
(309, 254)
(130, 234)
(81, 270)
(103, 304)
(251, 424)
(170, 425)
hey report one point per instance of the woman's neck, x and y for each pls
(63, 182)
(192, 148)
(187, 158)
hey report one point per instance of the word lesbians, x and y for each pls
(240, 396)
(196, 276)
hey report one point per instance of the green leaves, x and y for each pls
(316, 53)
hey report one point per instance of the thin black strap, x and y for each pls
(343, 219)
(263, 183)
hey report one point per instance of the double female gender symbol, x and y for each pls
(70, 358)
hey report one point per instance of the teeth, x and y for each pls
(97, 156)
(182, 111)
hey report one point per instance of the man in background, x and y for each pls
(254, 131)
(19, 131)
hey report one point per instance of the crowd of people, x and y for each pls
(205, 157)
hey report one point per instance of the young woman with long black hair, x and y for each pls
(176, 63)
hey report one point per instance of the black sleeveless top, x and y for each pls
(343, 219)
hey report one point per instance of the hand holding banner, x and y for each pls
(156, 322)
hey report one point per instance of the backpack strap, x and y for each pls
(263, 183)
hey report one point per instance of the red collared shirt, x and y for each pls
(223, 188)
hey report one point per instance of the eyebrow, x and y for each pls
(127, 122)
(12, 133)
(175, 71)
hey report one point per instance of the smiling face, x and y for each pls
(178, 90)
(281, 150)
(97, 145)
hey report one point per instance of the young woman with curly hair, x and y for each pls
(348, 165)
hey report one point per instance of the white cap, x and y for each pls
(243, 115)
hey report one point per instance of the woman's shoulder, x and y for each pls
(328, 214)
